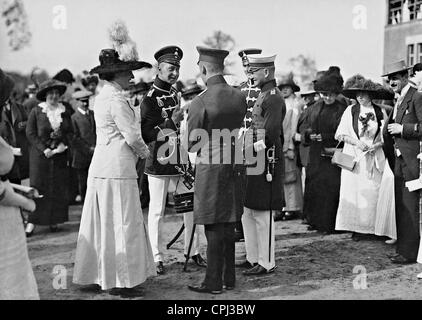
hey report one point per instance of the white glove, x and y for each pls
(259, 145)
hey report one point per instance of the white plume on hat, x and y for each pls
(121, 42)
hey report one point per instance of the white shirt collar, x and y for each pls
(404, 91)
(83, 111)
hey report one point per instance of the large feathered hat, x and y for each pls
(358, 83)
(123, 56)
(330, 81)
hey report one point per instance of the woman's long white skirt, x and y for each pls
(385, 219)
(17, 281)
(113, 247)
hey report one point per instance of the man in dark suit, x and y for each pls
(401, 137)
(84, 138)
(12, 130)
(217, 198)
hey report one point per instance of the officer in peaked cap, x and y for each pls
(217, 199)
(244, 55)
(169, 54)
(160, 110)
(251, 93)
(264, 192)
(248, 88)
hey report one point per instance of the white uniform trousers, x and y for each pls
(158, 188)
(256, 227)
(188, 221)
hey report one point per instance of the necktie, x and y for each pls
(398, 100)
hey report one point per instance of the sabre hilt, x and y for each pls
(271, 162)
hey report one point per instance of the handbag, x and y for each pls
(183, 202)
(345, 161)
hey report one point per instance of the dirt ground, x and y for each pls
(311, 266)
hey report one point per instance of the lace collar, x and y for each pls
(54, 115)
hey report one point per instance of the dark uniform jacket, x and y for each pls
(12, 130)
(218, 197)
(409, 114)
(156, 116)
(251, 94)
(268, 114)
(301, 127)
(84, 139)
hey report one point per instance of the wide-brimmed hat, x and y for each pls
(6, 87)
(192, 88)
(358, 83)
(140, 87)
(48, 85)
(288, 81)
(310, 91)
(330, 81)
(416, 68)
(396, 67)
(64, 76)
(110, 63)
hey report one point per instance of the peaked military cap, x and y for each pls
(245, 52)
(216, 56)
(169, 54)
(257, 62)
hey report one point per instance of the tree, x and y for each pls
(222, 41)
(304, 70)
(16, 23)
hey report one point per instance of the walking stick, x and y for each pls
(176, 236)
(189, 248)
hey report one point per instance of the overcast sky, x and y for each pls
(322, 29)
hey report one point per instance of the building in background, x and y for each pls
(403, 32)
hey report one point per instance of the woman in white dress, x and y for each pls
(367, 193)
(17, 281)
(113, 250)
